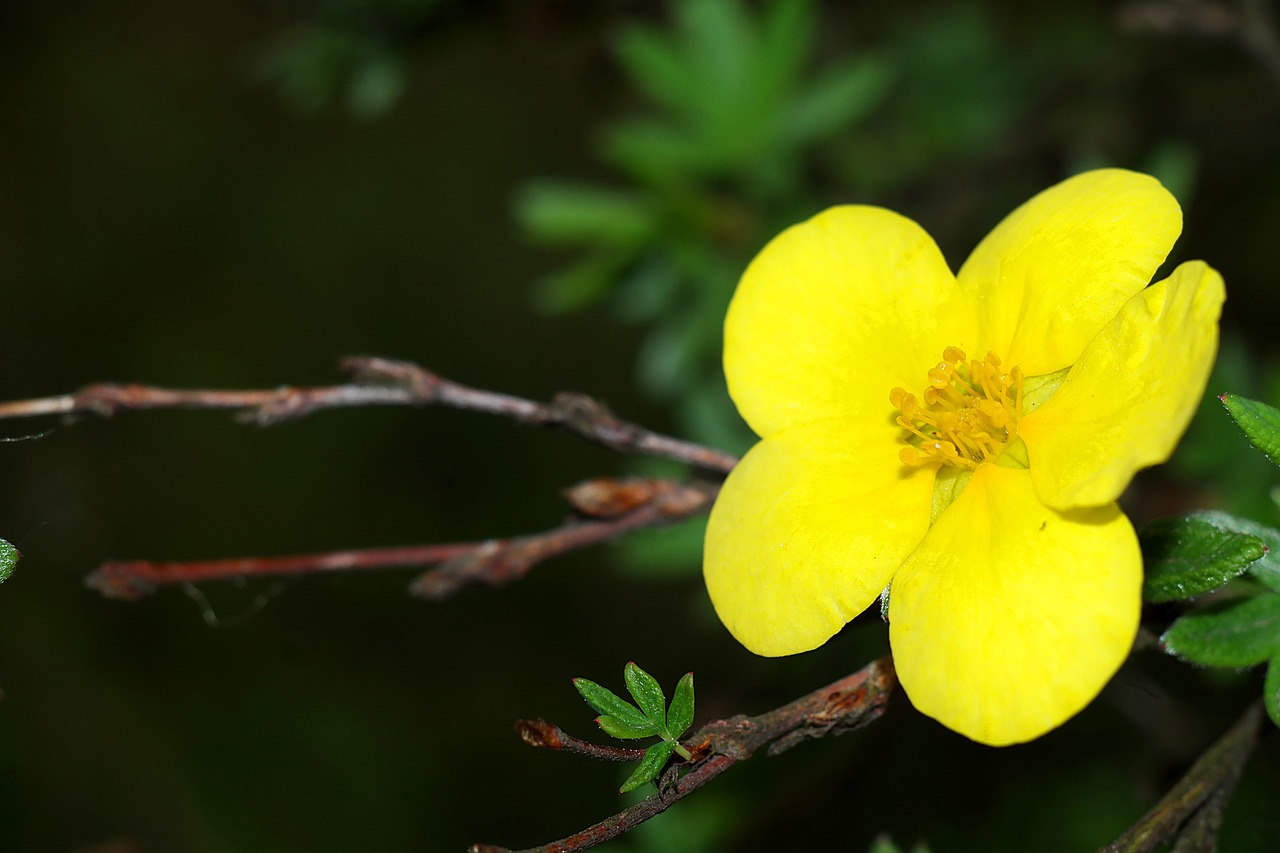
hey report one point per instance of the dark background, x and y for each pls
(168, 217)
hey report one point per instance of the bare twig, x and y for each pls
(1193, 808)
(849, 703)
(617, 506)
(383, 382)
(541, 733)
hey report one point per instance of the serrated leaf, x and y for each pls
(655, 758)
(680, 715)
(9, 556)
(1186, 557)
(609, 704)
(644, 688)
(624, 729)
(1260, 422)
(1242, 634)
(1266, 570)
(1271, 690)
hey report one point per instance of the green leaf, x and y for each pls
(581, 284)
(655, 758)
(610, 704)
(680, 715)
(1186, 557)
(1242, 634)
(1260, 422)
(1271, 690)
(840, 97)
(625, 729)
(648, 694)
(1265, 571)
(9, 556)
(565, 213)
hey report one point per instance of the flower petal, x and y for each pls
(1126, 403)
(808, 529)
(835, 312)
(1060, 266)
(1011, 616)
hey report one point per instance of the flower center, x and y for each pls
(968, 413)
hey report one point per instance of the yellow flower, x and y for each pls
(964, 437)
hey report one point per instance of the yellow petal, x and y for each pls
(1060, 266)
(834, 313)
(808, 530)
(1011, 616)
(1126, 403)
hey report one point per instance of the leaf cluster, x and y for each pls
(1235, 558)
(649, 716)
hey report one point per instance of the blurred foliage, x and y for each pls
(719, 162)
(346, 52)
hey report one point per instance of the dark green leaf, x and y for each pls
(648, 694)
(1271, 690)
(609, 704)
(625, 729)
(1242, 634)
(680, 716)
(655, 758)
(1186, 557)
(1260, 422)
(8, 559)
(1266, 570)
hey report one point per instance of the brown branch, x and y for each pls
(849, 703)
(383, 382)
(615, 506)
(1193, 808)
(541, 733)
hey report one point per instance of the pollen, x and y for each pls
(968, 411)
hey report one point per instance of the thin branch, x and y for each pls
(617, 507)
(847, 704)
(383, 382)
(541, 733)
(1195, 804)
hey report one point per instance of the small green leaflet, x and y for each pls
(1243, 633)
(655, 758)
(1186, 557)
(680, 715)
(625, 729)
(609, 704)
(644, 688)
(619, 718)
(8, 559)
(1260, 422)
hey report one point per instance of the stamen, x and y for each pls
(970, 411)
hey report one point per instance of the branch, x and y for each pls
(850, 703)
(606, 509)
(1196, 803)
(383, 382)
